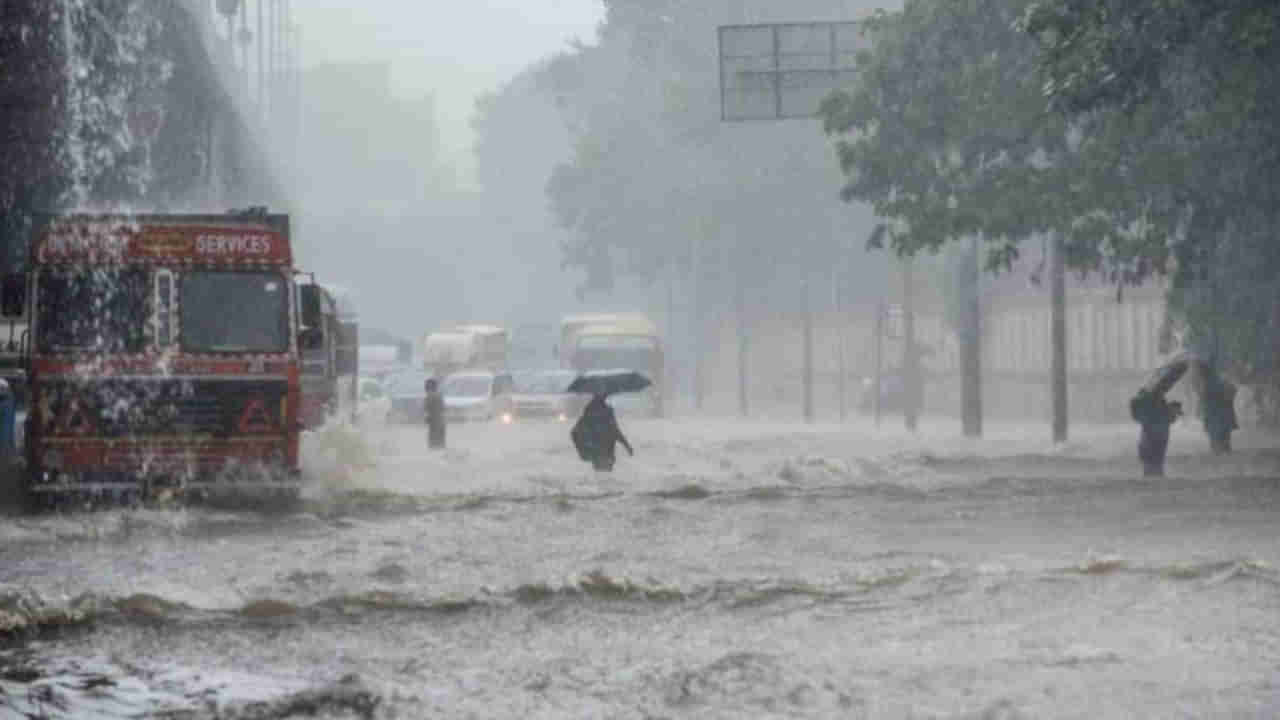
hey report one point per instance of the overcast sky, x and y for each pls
(455, 50)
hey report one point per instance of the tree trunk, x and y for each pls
(971, 348)
(911, 381)
(1058, 332)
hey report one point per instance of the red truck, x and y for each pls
(162, 354)
(330, 354)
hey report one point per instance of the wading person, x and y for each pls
(596, 434)
(433, 406)
(1218, 409)
(1155, 414)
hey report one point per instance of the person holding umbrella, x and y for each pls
(433, 407)
(596, 434)
(1154, 413)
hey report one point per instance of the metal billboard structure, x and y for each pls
(784, 70)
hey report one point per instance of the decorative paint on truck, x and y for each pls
(163, 352)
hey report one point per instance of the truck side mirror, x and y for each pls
(13, 295)
(311, 338)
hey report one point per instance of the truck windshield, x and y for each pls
(616, 352)
(234, 312)
(91, 309)
(544, 383)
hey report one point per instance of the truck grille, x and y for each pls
(120, 408)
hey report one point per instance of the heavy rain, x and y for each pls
(639, 359)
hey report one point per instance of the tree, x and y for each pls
(1186, 92)
(945, 133)
(653, 167)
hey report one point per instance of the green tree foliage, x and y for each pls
(946, 134)
(1189, 91)
(1142, 132)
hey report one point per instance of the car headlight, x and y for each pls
(562, 417)
(507, 418)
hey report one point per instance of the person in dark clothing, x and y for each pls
(433, 406)
(596, 434)
(1218, 409)
(1155, 414)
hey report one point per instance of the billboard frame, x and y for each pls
(832, 69)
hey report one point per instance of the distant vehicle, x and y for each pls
(329, 342)
(380, 361)
(163, 355)
(447, 352)
(374, 401)
(478, 395)
(407, 396)
(571, 325)
(490, 347)
(533, 346)
(627, 341)
(543, 394)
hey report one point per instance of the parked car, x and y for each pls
(891, 393)
(408, 396)
(373, 401)
(544, 394)
(478, 395)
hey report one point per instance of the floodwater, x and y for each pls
(729, 570)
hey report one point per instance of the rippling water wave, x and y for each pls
(731, 575)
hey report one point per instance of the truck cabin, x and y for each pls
(160, 344)
(444, 353)
(611, 347)
(329, 345)
(491, 346)
(134, 286)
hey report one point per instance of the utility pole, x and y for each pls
(808, 353)
(696, 290)
(879, 324)
(842, 381)
(740, 302)
(244, 40)
(669, 363)
(971, 345)
(286, 62)
(269, 83)
(262, 57)
(911, 381)
(1058, 333)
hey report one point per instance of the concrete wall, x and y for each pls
(1111, 347)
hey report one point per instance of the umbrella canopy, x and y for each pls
(608, 382)
(1163, 378)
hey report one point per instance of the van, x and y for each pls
(478, 395)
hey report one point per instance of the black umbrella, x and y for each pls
(1163, 378)
(608, 382)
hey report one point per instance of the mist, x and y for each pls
(639, 358)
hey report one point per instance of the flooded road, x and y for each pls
(728, 570)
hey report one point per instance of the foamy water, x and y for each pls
(728, 570)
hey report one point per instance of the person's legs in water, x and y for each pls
(1153, 445)
(603, 461)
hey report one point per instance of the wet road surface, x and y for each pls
(729, 570)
